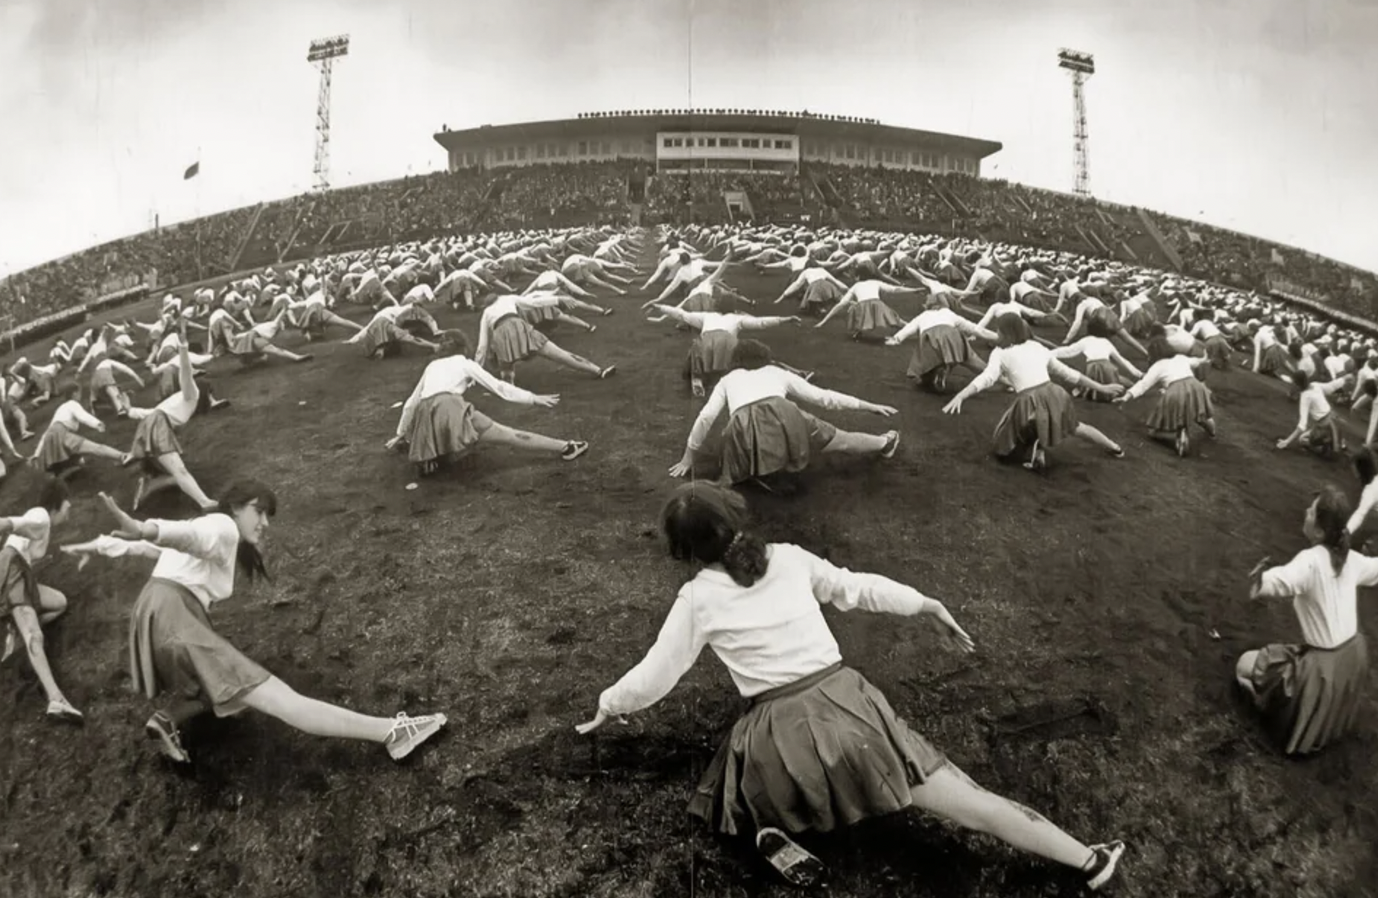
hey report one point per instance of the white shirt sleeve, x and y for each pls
(847, 590)
(717, 401)
(675, 650)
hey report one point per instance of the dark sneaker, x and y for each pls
(62, 711)
(1103, 867)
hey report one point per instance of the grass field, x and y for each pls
(511, 592)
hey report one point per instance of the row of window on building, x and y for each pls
(605, 148)
(748, 143)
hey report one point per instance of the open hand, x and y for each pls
(546, 401)
(599, 720)
(680, 469)
(126, 527)
(954, 407)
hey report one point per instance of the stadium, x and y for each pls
(1108, 597)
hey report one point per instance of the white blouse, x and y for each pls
(1164, 373)
(199, 554)
(769, 634)
(457, 374)
(1024, 367)
(1326, 603)
(741, 387)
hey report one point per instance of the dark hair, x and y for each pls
(239, 494)
(1365, 466)
(1332, 519)
(53, 494)
(751, 354)
(1301, 379)
(683, 258)
(704, 523)
(1201, 315)
(457, 341)
(1012, 329)
(1097, 327)
(725, 304)
(1159, 349)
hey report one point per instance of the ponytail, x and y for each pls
(745, 559)
(1332, 520)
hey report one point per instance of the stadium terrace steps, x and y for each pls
(237, 256)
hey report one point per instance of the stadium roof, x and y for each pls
(640, 123)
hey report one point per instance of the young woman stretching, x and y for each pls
(944, 344)
(512, 339)
(766, 432)
(867, 313)
(1042, 413)
(1185, 400)
(438, 424)
(174, 649)
(155, 438)
(28, 604)
(820, 748)
(1310, 693)
(1316, 427)
(62, 450)
(710, 355)
(1103, 361)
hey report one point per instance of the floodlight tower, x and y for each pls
(323, 54)
(1082, 66)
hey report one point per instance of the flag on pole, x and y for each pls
(192, 171)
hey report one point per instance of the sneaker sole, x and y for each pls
(424, 736)
(576, 453)
(1104, 876)
(165, 745)
(73, 717)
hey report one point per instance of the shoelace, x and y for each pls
(410, 726)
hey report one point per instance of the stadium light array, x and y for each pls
(1075, 61)
(328, 48)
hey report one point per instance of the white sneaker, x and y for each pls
(63, 711)
(1107, 858)
(10, 645)
(409, 732)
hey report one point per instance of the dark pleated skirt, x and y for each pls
(769, 436)
(1184, 403)
(514, 340)
(1310, 697)
(939, 347)
(444, 426)
(1275, 359)
(1103, 371)
(154, 437)
(870, 315)
(820, 294)
(710, 354)
(1044, 413)
(1218, 351)
(174, 650)
(824, 752)
(700, 302)
(1140, 320)
(59, 445)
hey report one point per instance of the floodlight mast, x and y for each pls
(322, 54)
(1081, 66)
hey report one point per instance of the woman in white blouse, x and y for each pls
(1310, 693)
(710, 355)
(1042, 414)
(866, 310)
(61, 449)
(511, 339)
(438, 424)
(766, 432)
(1185, 400)
(944, 344)
(1103, 361)
(1317, 428)
(155, 438)
(175, 651)
(1212, 339)
(820, 748)
(26, 605)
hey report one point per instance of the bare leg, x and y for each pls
(52, 604)
(272, 350)
(856, 443)
(31, 632)
(90, 447)
(569, 359)
(1095, 437)
(951, 794)
(502, 435)
(564, 318)
(1243, 675)
(276, 699)
(328, 317)
(177, 470)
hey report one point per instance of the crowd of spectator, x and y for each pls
(560, 195)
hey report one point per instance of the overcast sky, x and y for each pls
(1259, 115)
